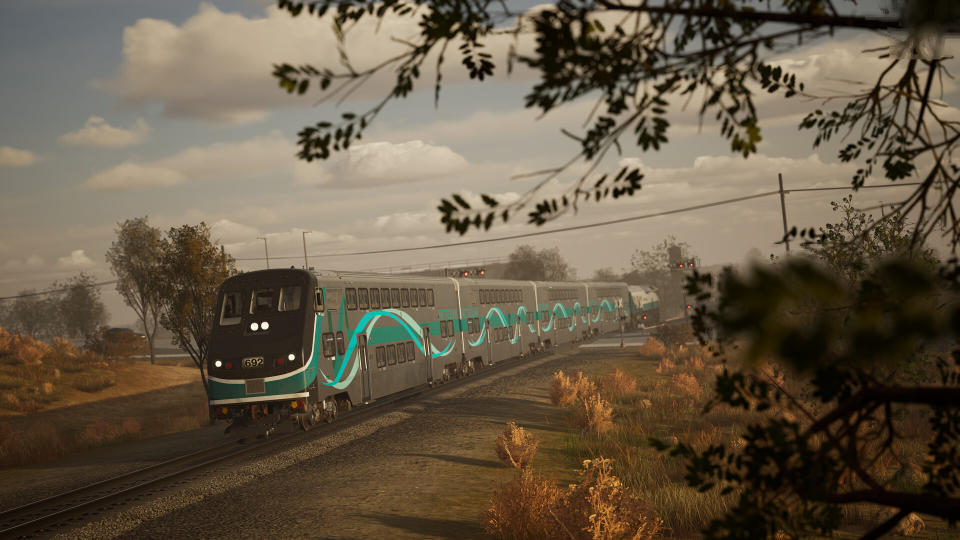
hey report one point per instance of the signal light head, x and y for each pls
(466, 273)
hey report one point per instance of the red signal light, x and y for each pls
(689, 306)
(466, 273)
(644, 317)
(482, 271)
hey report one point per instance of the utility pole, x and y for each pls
(306, 264)
(783, 212)
(265, 252)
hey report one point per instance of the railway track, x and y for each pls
(73, 508)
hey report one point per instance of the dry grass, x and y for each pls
(562, 391)
(601, 507)
(617, 385)
(686, 385)
(592, 415)
(653, 348)
(583, 386)
(522, 508)
(516, 447)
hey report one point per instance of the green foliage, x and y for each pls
(634, 61)
(192, 267)
(851, 245)
(80, 306)
(134, 259)
(528, 264)
(850, 346)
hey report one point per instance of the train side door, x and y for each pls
(364, 367)
(427, 354)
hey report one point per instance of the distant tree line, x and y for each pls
(73, 308)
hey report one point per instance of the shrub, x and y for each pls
(6, 341)
(523, 508)
(130, 426)
(516, 447)
(63, 349)
(583, 386)
(29, 353)
(665, 366)
(94, 381)
(8, 382)
(687, 385)
(601, 507)
(40, 443)
(99, 432)
(593, 415)
(562, 391)
(616, 385)
(652, 348)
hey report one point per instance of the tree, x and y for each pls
(606, 274)
(79, 306)
(815, 451)
(633, 58)
(192, 268)
(651, 267)
(37, 314)
(134, 259)
(857, 240)
(528, 264)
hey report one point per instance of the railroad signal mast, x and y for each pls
(679, 268)
(475, 273)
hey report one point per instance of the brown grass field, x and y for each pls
(658, 391)
(43, 386)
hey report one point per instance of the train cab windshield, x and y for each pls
(261, 301)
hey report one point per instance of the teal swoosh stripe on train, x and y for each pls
(609, 307)
(367, 325)
(503, 319)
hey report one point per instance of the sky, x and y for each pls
(115, 109)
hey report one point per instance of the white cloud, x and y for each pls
(217, 65)
(229, 232)
(13, 157)
(241, 159)
(134, 177)
(382, 164)
(31, 262)
(97, 133)
(76, 259)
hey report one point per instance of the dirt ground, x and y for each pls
(424, 471)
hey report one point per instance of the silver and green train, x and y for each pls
(292, 343)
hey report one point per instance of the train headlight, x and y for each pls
(254, 327)
(217, 363)
(291, 357)
(265, 325)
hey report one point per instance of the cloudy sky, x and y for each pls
(114, 109)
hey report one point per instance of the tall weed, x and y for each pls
(516, 447)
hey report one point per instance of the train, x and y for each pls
(293, 343)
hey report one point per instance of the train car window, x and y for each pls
(395, 294)
(328, 347)
(374, 298)
(450, 328)
(381, 361)
(351, 294)
(470, 326)
(443, 329)
(261, 300)
(364, 298)
(411, 355)
(483, 296)
(430, 297)
(391, 355)
(340, 346)
(401, 353)
(385, 298)
(404, 297)
(423, 297)
(290, 298)
(230, 311)
(319, 304)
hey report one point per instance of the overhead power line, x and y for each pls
(516, 236)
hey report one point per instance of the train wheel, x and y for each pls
(331, 412)
(344, 405)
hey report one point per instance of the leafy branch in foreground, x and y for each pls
(864, 359)
(633, 60)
